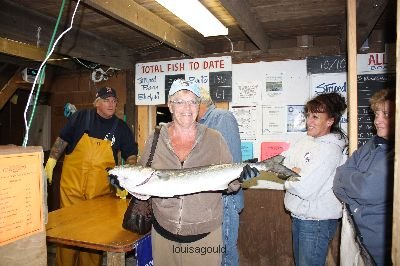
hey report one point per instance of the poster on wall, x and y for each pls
(21, 213)
(273, 119)
(247, 150)
(376, 63)
(152, 79)
(246, 118)
(271, 149)
(247, 93)
(273, 90)
(296, 120)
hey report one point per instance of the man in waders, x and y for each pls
(91, 140)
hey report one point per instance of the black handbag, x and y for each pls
(138, 216)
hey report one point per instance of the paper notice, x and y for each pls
(20, 196)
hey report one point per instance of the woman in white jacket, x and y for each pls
(314, 208)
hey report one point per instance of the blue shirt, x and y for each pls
(224, 122)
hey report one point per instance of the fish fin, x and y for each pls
(140, 196)
(277, 159)
(293, 177)
(283, 172)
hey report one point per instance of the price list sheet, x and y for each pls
(20, 195)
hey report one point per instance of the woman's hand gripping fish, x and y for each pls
(145, 182)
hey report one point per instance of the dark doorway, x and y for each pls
(163, 115)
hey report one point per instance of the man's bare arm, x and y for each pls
(58, 148)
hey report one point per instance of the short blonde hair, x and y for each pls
(205, 97)
(380, 97)
(96, 101)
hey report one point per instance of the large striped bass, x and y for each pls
(144, 182)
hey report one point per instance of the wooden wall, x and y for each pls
(77, 88)
(265, 231)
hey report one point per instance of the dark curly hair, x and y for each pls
(333, 104)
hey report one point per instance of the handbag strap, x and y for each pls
(153, 145)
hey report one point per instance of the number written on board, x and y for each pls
(326, 64)
(221, 86)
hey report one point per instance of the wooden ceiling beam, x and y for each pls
(240, 10)
(134, 15)
(368, 13)
(30, 52)
(9, 88)
(19, 23)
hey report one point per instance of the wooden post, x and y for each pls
(396, 194)
(352, 75)
(146, 115)
(222, 105)
(143, 126)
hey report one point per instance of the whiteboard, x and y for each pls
(267, 88)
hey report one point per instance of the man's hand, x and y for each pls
(248, 172)
(51, 163)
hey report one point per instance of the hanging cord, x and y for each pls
(41, 73)
(230, 43)
(38, 37)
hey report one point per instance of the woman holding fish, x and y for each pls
(187, 229)
(314, 208)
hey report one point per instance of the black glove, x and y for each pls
(113, 179)
(248, 172)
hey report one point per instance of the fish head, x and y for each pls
(131, 174)
(275, 165)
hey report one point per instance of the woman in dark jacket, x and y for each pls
(365, 181)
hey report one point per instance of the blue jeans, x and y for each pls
(233, 205)
(311, 240)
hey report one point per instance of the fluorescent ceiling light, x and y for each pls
(196, 15)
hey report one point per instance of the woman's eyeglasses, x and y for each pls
(182, 102)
